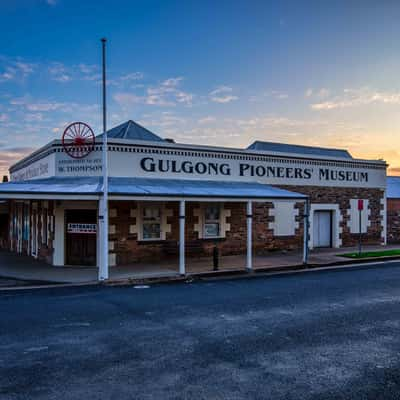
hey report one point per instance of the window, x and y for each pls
(212, 221)
(151, 223)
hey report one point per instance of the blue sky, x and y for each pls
(210, 72)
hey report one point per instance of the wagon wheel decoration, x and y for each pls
(78, 140)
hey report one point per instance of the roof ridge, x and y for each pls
(301, 145)
(127, 127)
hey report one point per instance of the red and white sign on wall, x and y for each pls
(82, 228)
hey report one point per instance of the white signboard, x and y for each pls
(82, 228)
(43, 168)
(192, 163)
(249, 169)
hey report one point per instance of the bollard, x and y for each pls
(215, 257)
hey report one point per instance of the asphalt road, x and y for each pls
(321, 335)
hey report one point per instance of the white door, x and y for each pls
(322, 228)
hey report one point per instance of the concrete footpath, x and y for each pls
(18, 270)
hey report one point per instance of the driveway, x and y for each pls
(319, 335)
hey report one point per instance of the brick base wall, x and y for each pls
(129, 249)
(393, 221)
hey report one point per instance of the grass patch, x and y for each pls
(383, 253)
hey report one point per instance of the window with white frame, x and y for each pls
(212, 221)
(151, 222)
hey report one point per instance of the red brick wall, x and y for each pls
(393, 220)
(129, 249)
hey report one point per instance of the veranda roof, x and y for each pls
(146, 187)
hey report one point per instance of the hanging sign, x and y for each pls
(82, 228)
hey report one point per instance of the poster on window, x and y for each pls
(211, 230)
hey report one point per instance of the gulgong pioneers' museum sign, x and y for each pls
(149, 164)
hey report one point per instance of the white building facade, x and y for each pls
(166, 199)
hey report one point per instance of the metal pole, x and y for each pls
(103, 270)
(359, 229)
(305, 233)
(249, 217)
(182, 269)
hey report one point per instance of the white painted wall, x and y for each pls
(124, 163)
(284, 214)
(354, 217)
(43, 168)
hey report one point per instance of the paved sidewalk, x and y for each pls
(26, 268)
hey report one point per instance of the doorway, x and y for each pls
(81, 237)
(322, 228)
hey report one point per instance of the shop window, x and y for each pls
(151, 223)
(212, 221)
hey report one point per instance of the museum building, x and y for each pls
(170, 201)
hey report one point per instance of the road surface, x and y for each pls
(320, 335)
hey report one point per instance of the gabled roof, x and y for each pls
(130, 130)
(393, 187)
(298, 149)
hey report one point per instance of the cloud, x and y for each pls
(4, 117)
(51, 2)
(126, 99)
(28, 104)
(172, 82)
(10, 156)
(165, 94)
(133, 76)
(206, 120)
(125, 79)
(15, 69)
(168, 93)
(276, 94)
(58, 72)
(222, 94)
(357, 97)
(31, 105)
(34, 117)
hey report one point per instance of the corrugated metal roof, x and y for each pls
(298, 149)
(393, 187)
(82, 185)
(130, 130)
(149, 187)
(193, 188)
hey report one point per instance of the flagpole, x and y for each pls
(103, 270)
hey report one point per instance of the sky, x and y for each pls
(324, 73)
